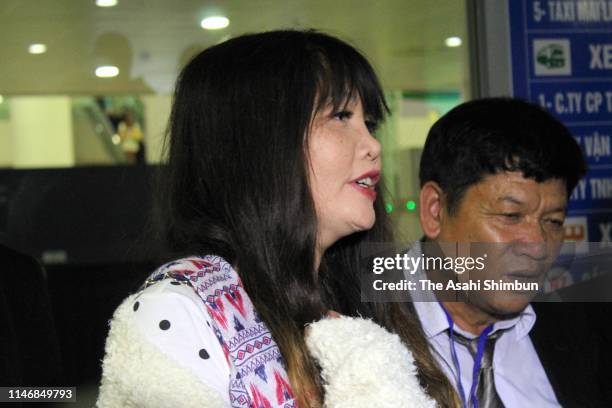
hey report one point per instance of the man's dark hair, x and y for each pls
(490, 135)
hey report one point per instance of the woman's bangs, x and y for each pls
(340, 80)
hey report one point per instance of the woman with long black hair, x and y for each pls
(271, 189)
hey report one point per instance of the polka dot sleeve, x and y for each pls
(172, 316)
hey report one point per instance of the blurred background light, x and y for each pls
(214, 22)
(106, 3)
(107, 71)
(453, 42)
(37, 48)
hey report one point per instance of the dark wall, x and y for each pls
(90, 230)
(88, 215)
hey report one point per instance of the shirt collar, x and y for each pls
(521, 324)
(434, 320)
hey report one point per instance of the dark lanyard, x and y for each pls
(482, 339)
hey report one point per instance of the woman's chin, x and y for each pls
(365, 223)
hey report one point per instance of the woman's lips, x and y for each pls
(374, 175)
(368, 183)
(369, 192)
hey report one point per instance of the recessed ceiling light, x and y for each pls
(107, 71)
(214, 22)
(452, 41)
(37, 48)
(106, 3)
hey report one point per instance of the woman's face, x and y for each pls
(345, 166)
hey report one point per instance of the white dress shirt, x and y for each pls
(520, 379)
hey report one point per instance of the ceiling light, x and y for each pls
(107, 71)
(106, 3)
(452, 41)
(1, 99)
(37, 48)
(214, 23)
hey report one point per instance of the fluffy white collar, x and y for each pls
(363, 365)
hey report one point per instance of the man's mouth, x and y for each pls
(525, 276)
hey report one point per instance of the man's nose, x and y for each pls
(532, 242)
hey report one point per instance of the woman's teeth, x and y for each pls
(365, 182)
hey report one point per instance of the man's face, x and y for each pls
(524, 221)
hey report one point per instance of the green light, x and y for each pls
(389, 208)
(410, 205)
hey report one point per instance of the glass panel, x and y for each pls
(63, 131)
(57, 109)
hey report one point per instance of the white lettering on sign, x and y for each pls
(601, 188)
(580, 191)
(596, 145)
(605, 230)
(594, 11)
(593, 101)
(568, 102)
(572, 103)
(538, 12)
(591, 11)
(562, 11)
(601, 56)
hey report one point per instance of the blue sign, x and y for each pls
(562, 59)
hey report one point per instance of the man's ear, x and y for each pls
(431, 203)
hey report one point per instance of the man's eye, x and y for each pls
(343, 115)
(511, 216)
(556, 222)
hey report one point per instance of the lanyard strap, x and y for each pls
(482, 340)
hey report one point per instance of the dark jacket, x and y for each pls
(572, 342)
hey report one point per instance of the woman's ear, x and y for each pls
(430, 204)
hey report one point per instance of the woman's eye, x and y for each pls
(372, 126)
(343, 115)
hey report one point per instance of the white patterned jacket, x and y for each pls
(363, 365)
